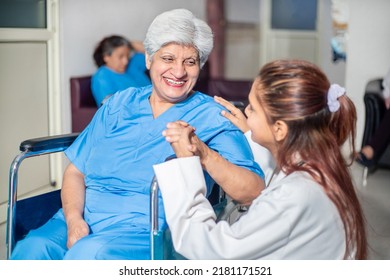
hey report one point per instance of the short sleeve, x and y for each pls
(79, 152)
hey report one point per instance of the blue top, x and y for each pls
(137, 68)
(106, 81)
(117, 150)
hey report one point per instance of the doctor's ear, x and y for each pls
(280, 130)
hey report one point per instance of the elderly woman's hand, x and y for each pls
(235, 115)
(77, 229)
(179, 134)
(184, 141)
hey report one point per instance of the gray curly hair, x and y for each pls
(182, 27)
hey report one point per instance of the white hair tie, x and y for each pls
(334, 92)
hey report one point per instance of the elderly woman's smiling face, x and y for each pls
(174, 70)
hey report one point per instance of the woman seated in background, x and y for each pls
(121, 65)
(309, 208)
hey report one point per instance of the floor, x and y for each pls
(375, 199)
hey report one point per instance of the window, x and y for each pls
(294, 14)
(22, 13)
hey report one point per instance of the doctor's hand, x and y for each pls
(235, 115)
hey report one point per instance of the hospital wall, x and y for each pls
(368, 50)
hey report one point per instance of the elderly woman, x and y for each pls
(106, 187)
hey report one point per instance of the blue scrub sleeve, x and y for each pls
(234, 147)
(79, 152)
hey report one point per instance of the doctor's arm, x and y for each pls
(192, 221)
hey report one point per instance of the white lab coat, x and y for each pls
(291, 219)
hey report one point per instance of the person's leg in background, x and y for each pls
(377, 144)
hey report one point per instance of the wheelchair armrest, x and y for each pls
(49, 142)
(30, 148)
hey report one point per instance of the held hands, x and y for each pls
(233, 114)
(179, 134)
(183, 140)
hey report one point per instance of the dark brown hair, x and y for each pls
(107, 45)
(295, 91)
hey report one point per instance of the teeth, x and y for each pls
(174, 82)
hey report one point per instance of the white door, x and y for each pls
(289, 30)
(27, 93)
(23, 110)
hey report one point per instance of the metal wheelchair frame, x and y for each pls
(30, 148)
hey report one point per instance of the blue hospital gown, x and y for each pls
(116, 153)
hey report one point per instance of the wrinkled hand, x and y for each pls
(235, 115)
(184, 141)
(179, 135)
(77, 229)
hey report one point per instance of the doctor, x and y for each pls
(309, 208)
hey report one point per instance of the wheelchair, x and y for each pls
(33, 212)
